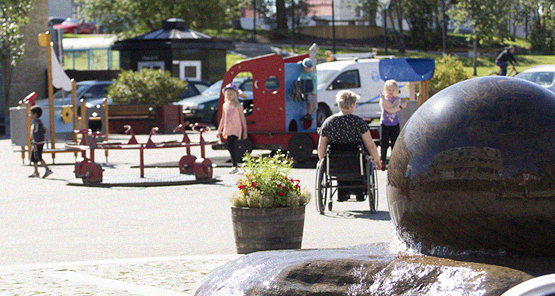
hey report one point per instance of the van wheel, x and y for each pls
(322, 113)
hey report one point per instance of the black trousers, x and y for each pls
(231, 140)
(389, 136)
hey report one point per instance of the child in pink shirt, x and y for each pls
(233, 125)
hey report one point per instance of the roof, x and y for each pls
(173, 29)
(173, 34)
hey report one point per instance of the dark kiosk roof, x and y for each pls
(173, 35)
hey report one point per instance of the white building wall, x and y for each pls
(61, 8)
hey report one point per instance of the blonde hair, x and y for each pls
(346, 98)
(234, 98)
(390, 82)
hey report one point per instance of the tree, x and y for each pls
(13, 15)
(370, 8)
(421, 16)
(142, 16)
(488, 18)
(281, 15)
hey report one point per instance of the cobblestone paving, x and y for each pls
(150, 276)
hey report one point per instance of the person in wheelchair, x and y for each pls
(347, 131)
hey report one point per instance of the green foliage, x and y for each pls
(488, 18)
(266, 184)
(13, 14)
(448, 71)
(146, 86)
(142, 16)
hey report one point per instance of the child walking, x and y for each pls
(233, 125)
(37, 142)
(391, 105)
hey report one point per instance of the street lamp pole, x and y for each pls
(333, 24)
(385, 6)
(254, 18)
(293, 25)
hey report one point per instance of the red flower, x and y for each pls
(253, 184)
(281, 193)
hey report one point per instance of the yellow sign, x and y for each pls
(67, 114)
(44, 39)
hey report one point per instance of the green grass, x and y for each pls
(485, 64)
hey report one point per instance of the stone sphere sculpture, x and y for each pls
(473, 171)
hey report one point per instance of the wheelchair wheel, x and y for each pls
(372, 186)
(321, 186)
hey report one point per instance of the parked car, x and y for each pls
(362, 76)
(204, 107)
(543, 75)
(194, 88)
(77, 26)
(92, 91)
(54, 20)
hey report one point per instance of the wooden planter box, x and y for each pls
(260, 229)
(169, 117)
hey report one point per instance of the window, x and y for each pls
(98, 91)
(272, 83)
(346, 80)
(155, 65)
(190, 70)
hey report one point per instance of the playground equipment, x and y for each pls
(92, 172)
(274, 117)
(60, 121)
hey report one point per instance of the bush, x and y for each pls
(146, 87)
(449, 70)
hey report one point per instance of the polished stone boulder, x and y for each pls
(473, 171)
(370, 270)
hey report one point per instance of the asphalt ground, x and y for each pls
(61, 239)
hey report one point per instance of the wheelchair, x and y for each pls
(347, 169)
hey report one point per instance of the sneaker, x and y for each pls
(360, 197)
(34, 175)
(234, 170)
(47, 173)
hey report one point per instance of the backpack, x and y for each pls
(39, 135)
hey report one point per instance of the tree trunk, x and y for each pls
(400, 16)
(475, 51)
(281, 15)
(6, 70)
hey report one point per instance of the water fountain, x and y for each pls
(471, 187)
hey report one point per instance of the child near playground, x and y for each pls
(233, 125)
(309, 85)
(391, 104)
(37, 142)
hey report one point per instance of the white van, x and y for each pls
(362, 77)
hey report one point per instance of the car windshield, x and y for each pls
(213, 89)
(541, 78)
(67, 94)
(324, 77)
(71, 21)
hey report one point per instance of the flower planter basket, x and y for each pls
(259, 229)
